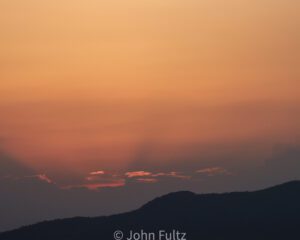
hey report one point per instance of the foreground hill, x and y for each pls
(269, 214)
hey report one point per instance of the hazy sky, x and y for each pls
(104, 100)
(95, 93)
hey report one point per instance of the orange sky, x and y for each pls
(84, 84)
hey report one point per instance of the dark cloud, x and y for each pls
(30, 196)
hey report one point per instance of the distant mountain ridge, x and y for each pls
(269, 214)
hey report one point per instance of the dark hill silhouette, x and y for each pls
(269, 214)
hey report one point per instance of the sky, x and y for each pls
(105, 98)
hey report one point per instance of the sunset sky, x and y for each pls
(98, 93)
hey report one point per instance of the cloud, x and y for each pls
(138, 174)
(105, 179)
(96, 186)
(213, 171)
(43, 177)
(171, 174)
(98, 180)
(97, 173)
(100, 191)
(147, 180)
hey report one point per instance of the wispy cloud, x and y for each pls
(45, 178)
(99, 172)
(41, 177)
(171, 174)
(213, 171)
(147, 180)
(96, 186)
(138, 174)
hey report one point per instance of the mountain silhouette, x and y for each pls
(269, 214)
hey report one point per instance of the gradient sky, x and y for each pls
(144, 85)
(103, 100)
